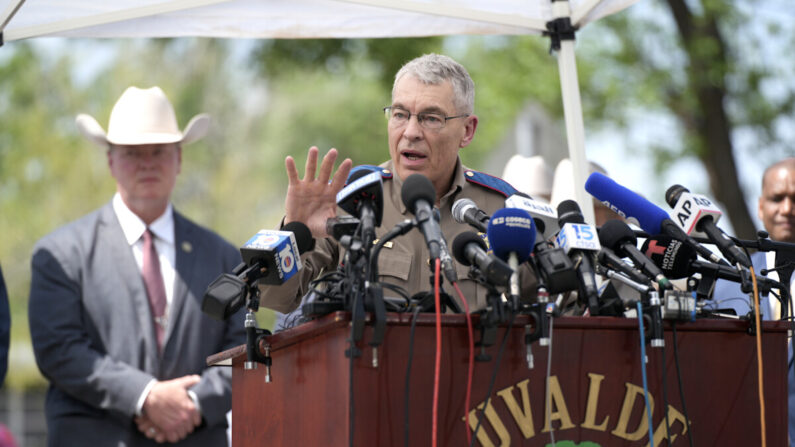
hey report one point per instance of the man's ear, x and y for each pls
(470, 126)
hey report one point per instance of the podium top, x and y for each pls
(315, 328)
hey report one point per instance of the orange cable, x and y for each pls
(759, 360)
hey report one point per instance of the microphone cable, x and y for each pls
(759, 368)
(681, 390)
(493, 380)
(438, 366)
(548, 392)
(407, 387)
(471, 363)
(665, 391)
(643, 373)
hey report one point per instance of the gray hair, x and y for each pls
(434, 69)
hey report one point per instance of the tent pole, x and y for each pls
(562, 35)
(9, 13)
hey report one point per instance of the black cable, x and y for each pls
(493, 380)
(665, 393)
(407, 385)
(681, 391)
(351, 355)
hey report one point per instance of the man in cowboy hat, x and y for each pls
(115, 311)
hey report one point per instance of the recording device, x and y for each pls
(580, 241)
(470, 249)
(617, 236)
(340, 226)
(465, 211)
(544, 216)
(270, 257)
(650, 217)
(698, 216)
(419, 195)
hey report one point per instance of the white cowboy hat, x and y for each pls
(142, 116)
(530, 175)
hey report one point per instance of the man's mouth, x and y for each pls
(413, 156)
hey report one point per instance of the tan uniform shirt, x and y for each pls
(405, 262)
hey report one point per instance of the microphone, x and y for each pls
(609, 259)
(697, 215)
(617, 236)
(465, 211)
(678, 260)
(512, 234)
(470, 249)
(272, 257)
(650, 217)
(544, 216)
(363, 195)
(419, 195)
(579, 240)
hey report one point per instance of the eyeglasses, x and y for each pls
(428, 120)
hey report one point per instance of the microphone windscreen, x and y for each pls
(461, 241)
(672, 256)
(303, 237)
(614, 233)
(649, 216)
(511, 230)
(358, 172)
(672, 194)
(569, 212)
(417, 187)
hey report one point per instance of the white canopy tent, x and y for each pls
(289, 19)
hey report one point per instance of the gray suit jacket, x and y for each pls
(94, 338)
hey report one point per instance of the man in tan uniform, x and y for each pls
(431, 118)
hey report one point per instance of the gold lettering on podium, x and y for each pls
(496, 424)
(592, 404)
(630, 396)
(673, 416)
(557, 405)
(522, 416)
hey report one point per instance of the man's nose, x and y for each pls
(786, 206)
(413, 128)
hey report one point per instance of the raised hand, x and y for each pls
(168, 412)
(313, 200)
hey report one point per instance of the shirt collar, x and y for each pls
(459, 180)
(133, 227)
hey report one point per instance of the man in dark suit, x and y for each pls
(115, 312)
(777, 213)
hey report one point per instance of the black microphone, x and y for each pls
(270, 257)
(678, 260)
(465, 211)
(696, 214)
(617, 236)
(580, 241)
(419, 195)
(608, 258)
(363, 197)
(471, 250)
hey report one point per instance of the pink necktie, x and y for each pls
(155, 288)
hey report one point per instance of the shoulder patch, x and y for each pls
(385, 173)
(495, 184)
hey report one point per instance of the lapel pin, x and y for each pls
(187, 247)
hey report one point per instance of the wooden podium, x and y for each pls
(595, 394)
